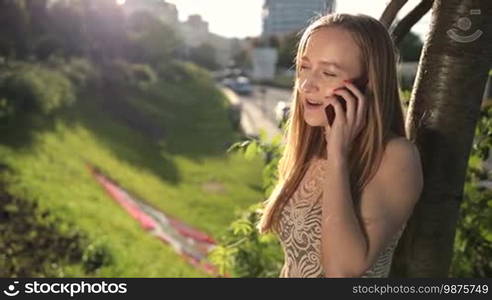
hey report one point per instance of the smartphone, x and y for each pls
(360, 83)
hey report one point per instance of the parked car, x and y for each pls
(241, 85)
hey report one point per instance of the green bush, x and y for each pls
(473, 243)
(80, 71)
(95, 256)
(242, 251)
(32, 88)
(33, 243)
(173, 71)
(137, 76)
(405, 97)
(47, 46)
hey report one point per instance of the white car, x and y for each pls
(282, 111)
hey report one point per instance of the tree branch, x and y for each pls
(391, 11)
(404, 26)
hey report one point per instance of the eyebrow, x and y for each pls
(325, 62)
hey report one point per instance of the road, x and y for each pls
(268, 100)
(258, 109)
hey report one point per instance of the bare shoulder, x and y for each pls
(401, 145)
(400, 156)
(401, 167)
(397, 184)
(388, 200)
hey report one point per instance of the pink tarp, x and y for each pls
(192, 244)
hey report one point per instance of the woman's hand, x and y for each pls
(346, 126)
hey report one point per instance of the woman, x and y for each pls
(346, 189)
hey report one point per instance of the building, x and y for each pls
(224, 49)
(194, 31)
(285, 16)
(166, 12)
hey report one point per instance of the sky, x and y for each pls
(242, 18)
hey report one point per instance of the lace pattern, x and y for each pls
(300, 232)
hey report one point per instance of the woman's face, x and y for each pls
(330, 57)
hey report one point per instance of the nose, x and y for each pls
(309, 85)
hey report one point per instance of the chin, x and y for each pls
(314, 123)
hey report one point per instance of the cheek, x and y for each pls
(327, 89)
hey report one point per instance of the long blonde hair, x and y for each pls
(385, 115)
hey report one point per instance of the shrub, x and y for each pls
(173, 71)
(473, 242)
(138, 76)
(81, 73)
(34, 243)
(47, 46)
(242, 251)
(32, 88)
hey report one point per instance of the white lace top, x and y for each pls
(300, 233)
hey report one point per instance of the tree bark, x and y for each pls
(404, 26)
(442, 115)
(391, 11)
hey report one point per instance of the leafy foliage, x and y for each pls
(473, 242)
(410, 47)
(242, 251)
(204, 55)
(57, 244)
(150, 40)
(34, 88)
(139, 76)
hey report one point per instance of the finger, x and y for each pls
(350, 102)
(361, 114)
(340, 117)
(354, 89)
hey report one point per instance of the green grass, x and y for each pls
(167, 172)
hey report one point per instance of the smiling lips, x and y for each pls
(313, 102)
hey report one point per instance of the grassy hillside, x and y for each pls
(166, 145)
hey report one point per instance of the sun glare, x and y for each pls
(120, 2)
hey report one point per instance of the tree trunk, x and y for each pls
(403, 27)
(441, 121)
(391, 11)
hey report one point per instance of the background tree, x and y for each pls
(410, 48)
(14, 27)
(150, 39)
(242, 59)
(286, 50)
(205, 56)
(68, 24)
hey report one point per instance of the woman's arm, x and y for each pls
(350, 246)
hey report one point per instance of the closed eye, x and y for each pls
(330, 74)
